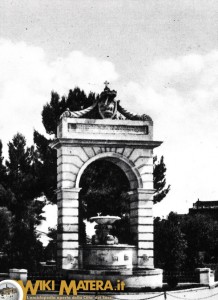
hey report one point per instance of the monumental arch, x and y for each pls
(124, 139)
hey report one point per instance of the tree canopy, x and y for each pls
(159, 174)
(19, 189)
(184, 242)
(76, 100)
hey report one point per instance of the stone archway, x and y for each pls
(137, 164)
(122, 162)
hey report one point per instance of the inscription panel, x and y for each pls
(96, 128)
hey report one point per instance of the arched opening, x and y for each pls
(105, 184)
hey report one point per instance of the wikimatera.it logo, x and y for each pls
(70, 288)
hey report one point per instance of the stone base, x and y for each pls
(139, 279)
(108, 257)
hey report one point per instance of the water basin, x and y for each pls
(104, 220)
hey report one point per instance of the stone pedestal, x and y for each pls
(206, 276)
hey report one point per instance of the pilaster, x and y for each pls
(141, 222)
(68, 228)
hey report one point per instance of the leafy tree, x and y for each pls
(179, 239)
(160, 180)
(5, 235)
(5, 225)
(201, 233)
(47, 169)
(104, 191)
(50, 251)
(169, 243)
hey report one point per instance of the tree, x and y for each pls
(47, 169)
(23, 184)
(50, 251)
(6, 197)
(5, 225)
(76, 100)
(23, 179)
(104, 190)
(201, 234)
(5, 236)
(169, 243)
(160, 180)
(3, 174)
(180, 239)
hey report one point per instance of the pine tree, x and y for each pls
(23, 175)
(76, 100)
(6, 197)
(3, 174)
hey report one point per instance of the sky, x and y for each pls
(160, 55)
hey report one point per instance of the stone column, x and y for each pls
(68, 228)
(141, 222)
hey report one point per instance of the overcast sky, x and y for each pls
(161, 57)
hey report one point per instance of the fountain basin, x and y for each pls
(109, 257)
(104, 220)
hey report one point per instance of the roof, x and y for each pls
(205, 204)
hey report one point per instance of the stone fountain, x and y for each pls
(103, 227)
(126, 140)
(105, 252)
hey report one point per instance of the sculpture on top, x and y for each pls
(106, 107)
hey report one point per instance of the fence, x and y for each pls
(182, 277)
(49, 275)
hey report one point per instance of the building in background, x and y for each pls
(208, 208)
